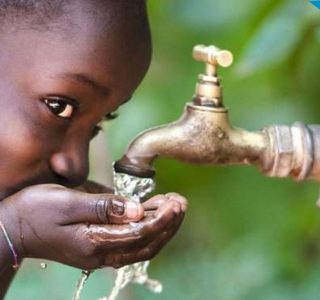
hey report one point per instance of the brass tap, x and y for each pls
(203, 135)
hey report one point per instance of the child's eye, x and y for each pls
(62, 108)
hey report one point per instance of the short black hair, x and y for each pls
(31, 11)
(41, 13)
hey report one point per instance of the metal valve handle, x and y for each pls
(212, 55)
(208, 89)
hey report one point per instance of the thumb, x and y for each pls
(103, 209)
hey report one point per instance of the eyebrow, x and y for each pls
(85, 80)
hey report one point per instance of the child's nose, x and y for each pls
(72, 167)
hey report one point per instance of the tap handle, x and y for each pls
(212, 55)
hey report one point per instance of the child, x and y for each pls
(66, 65)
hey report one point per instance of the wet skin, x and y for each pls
(55, 87)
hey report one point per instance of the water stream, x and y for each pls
(80, 284)
(133, 188)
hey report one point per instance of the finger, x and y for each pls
(177, 197)
(100, 209)
(153, 248)
(134, 235)
(154, 202)
(164, 217)
(109, 238)
(147, 252)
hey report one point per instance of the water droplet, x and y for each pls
(43, 265)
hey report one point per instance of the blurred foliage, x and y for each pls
(245, 236)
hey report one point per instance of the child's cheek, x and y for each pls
(25, 139)
(21, 144)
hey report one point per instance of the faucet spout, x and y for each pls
(203, 136)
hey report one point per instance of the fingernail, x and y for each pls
(134, 210)
(118, 208)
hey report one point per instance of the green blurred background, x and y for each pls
(245, 236)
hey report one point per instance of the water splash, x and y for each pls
(133, 188)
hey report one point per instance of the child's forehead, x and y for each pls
(113, 57)
(109, 41)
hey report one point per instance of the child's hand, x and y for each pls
(74, 228)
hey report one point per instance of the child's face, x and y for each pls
(55, 87)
